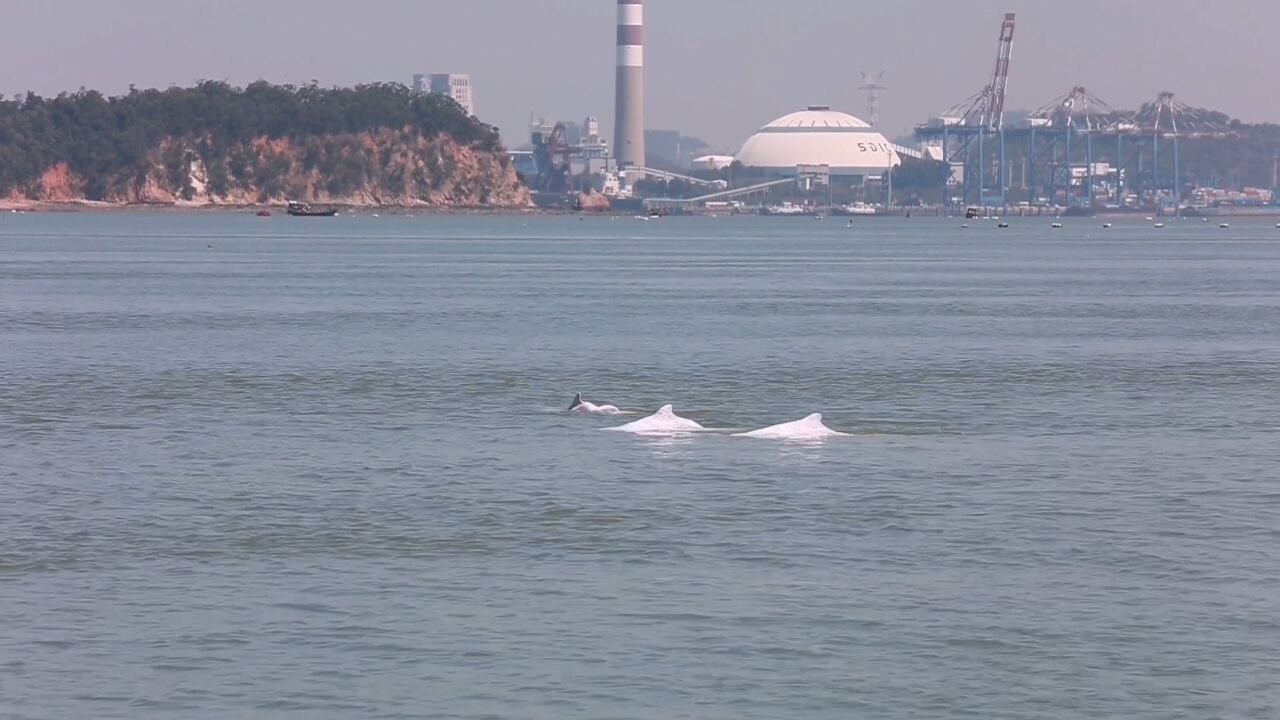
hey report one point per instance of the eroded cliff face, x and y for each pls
(385, 168)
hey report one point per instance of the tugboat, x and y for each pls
(301, 209)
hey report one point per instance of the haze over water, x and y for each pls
(319, 469)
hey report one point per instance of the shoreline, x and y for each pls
(34, 206)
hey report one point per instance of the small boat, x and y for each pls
(263, 213)
(855, 209)
(1003, 225)
(1106, 226)
(786, 209)
(1224, 226)
(1158, 225)
(1057, 226)
(301, 209)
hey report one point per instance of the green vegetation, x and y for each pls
(103, 139)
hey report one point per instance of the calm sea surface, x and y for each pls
(259, 468)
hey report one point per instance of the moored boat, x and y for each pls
(785, 209)
(301, 209)
(854, 209)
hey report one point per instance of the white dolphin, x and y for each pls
(810, 428)
(589, 408)
(663, 422)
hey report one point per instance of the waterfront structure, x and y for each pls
(628, 143)
(819, 136)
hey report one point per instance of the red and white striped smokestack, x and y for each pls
(628, 137)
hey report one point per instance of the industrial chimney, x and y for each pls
(628, 141)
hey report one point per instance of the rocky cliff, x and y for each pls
(375, 168)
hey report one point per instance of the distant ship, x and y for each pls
(301, 209)
(785, 209)
(859, 208)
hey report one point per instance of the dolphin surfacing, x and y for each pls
(589, 408)
(663, 422)
(808, 429)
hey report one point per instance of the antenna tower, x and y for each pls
(873, 86)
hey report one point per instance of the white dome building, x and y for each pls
(819, 135)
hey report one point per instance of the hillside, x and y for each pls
(216, 144)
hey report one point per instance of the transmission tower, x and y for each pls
(873, 86)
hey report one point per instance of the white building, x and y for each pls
(457, 87)
(591, 129)
(712, 162)
(819, 136)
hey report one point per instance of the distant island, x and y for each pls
(214, 144)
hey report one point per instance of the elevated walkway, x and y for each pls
(729, 194)
(669, 176)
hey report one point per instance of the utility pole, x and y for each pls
(889, 204)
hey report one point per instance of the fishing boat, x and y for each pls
(301, 209)
(264, 213)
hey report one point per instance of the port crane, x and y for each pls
(965, 129)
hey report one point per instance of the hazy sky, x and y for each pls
(716, 68)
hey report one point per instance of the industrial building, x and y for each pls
(455, 86)
(819, 136)
(672, 148)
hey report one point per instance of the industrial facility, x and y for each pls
(1076, 154)
(628, 143)
(819, 136)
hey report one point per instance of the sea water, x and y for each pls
(321, 468)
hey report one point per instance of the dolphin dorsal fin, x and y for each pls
(577, 400)
(666, 410)
(814, 418)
